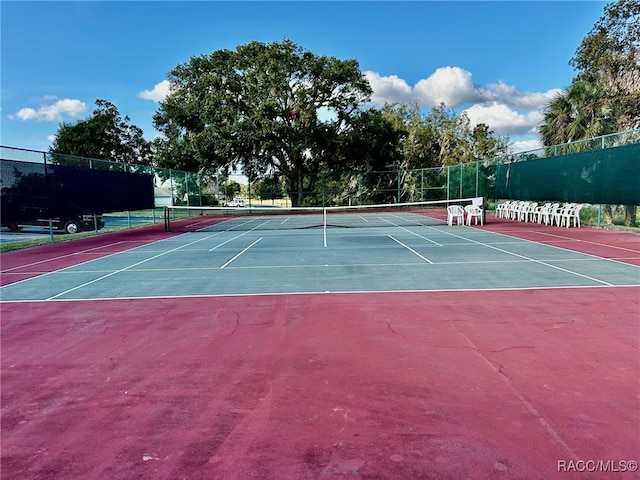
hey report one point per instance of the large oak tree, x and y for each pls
(263, 109)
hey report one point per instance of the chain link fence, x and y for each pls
(474, 179)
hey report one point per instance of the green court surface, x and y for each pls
(316, 260)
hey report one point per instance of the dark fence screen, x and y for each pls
(610, 176)
(32, 191)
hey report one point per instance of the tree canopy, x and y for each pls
(263, 108)
(441, 137)
(604, 97)
(104, 135)
(609, 56)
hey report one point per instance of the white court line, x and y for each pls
(67, 255)
(44, 274)
(410, 249)
(125, 268)
(412, 233)
(564, 249)
(586, 241)
(529, 258)
(324, 292)
(238, 225)
(324, 266)
(237, 236)
(241, 253)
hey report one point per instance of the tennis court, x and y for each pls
(391, 346)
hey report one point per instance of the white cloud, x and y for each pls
(504, 120)
(525, 146)
(513, 97)
(158, 93)
(507, 110)
(389, 89)
(52, 113)
(452, 86)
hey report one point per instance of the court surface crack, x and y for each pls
(397, 333)
(493, 365)
(237, 325)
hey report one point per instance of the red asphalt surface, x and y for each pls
(531, 384)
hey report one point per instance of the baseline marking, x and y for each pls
(343, 292)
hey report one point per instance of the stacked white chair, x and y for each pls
(528, 212)
(502, 208)
(572, 212)
(516, 211)
(561, 215)
(541, 212)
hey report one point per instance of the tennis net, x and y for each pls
(216, 219)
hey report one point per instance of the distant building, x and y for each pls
(162, 197)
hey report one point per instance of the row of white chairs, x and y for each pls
(561, 215)
(457, 214)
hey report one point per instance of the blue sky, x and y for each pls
(501, 62)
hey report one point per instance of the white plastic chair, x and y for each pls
(541, 212)
(550, 215)
(501, 209)
(455, 212)
(521, 211)
(514, 210)
(528, 212)
(571, 213)
(473, 211)
(560, 214)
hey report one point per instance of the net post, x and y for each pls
(324, 226)
(167, 222)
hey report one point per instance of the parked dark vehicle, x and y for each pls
(21, 211)
(69, 225)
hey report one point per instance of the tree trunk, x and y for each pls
(607, 211)
(296, 182)
(630, 215)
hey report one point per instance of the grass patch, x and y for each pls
(20, 244)
(61, 237)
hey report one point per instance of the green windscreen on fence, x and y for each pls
(32, 191)
(610, 176)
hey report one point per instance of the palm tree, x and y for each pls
(581, 112)
(557, 117)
